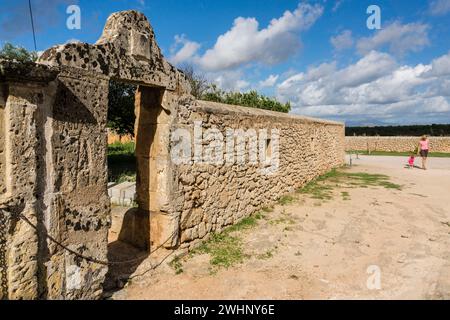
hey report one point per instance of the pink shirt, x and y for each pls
(423, 144)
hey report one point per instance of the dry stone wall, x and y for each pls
(54, 206)
(391, 144)
(210, 196)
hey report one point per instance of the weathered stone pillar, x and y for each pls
(21, 164)
(155, 222)
(76, 203)
(53, 199)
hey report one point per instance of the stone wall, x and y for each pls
(212, 196)
(54, 206)
(398, 144)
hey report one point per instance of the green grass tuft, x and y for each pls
(245, 223)
(177, 265)
(398, 154)
(121, 162)
(284, 200)
(322, 187)
(345, 195)
(266, 255)
(225, 248)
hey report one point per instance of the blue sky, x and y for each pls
(319, 55)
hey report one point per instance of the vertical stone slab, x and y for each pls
(3, 219)
(154, 220)
(21, 142)
(2, 145)
(78, 202)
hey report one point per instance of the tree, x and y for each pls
(121, 115)
(199, 83)
(204, 90)
(247, 99)
(11, 52)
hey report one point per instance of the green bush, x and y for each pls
(247, 99)
(11, 52)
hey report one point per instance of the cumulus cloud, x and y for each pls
(439, 7)
(269, 82)
(440, 66)
(342, 41)
(229, 80)
(183, 50)
(398, 38)
(246, 43)
(374, 89)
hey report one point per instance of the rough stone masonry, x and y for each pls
(54, 206)
(394, 144)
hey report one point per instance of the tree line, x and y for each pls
(411, 130)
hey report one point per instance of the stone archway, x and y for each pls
(127, 52)
(54, 202)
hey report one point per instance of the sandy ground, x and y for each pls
(332, 249)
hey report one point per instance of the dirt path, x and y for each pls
(318, 249)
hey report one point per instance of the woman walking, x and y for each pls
(423, 150)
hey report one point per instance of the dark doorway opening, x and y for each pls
(132, 164)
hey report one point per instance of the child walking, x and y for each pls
(411, 159)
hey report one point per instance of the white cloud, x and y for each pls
(374, 89)
(337, 5)
(269, 82)
(440, 66)
(72, 40)
(229, 80)
(398, 38)
(439, 7)
(183, 50)
(342, 41)
(245, 43)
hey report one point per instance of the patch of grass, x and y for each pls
(177, 265)
(121, 162)
(245, 223)
(126, 177)
(267, 255)
(401, 154)
(267, 209)
(119, 148)
(345, 195)
(282, 220)
(318, 190)
(284, 200)
(370, 179)
(225, 248)
(259, 216)
(322, 187)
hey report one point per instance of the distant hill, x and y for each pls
(414, 130)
